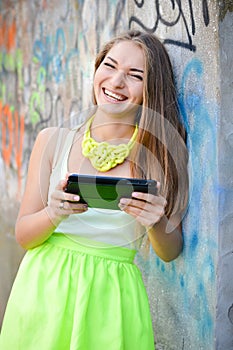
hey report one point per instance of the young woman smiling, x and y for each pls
(77, 287)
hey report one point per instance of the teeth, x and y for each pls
(112, 94)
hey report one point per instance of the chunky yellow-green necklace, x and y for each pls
(104, 156)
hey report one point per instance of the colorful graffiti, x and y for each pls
(44, 76)
(51, 53)
(185, 288)
(11, 121)
(12, 131)
(46, 85)
(185, 291)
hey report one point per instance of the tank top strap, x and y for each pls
(62, 158)
(62, 151)
(58, 146)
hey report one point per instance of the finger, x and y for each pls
(143, 209)
(143, 196)
(79, 210)
(77, 206)
(145, 218)
(137, 203)
(134, 211)
(150, 198)
(72, 198)
(61, 196)
(127, 205)
(141, 216)
(70, 207)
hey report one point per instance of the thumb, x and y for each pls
(158, 186)
(67, 175)
(61, 185)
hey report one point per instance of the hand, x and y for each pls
(63, 204)
(148, 209)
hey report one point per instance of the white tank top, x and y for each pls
(113, 227)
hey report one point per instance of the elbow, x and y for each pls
(168, 259)
(173, 254)
(20, 236)
(24, 244)
(19, 239)
(25, 238)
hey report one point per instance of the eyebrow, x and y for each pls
(131, 69)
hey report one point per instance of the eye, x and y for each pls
(136, 76)
(109, 65)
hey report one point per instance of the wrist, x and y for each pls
(156, 225)
(53, 217)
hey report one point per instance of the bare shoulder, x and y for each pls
(52, 137)
(47, 140)
(49, 136)
(52, 133)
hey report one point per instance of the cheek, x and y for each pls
(98, 78)
(95, 81)
(139, 94)
(95, 85)
(99, 74)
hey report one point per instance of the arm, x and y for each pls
(167, 246)
(36, 219)
(165, 235)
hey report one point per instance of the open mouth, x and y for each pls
(113, 96)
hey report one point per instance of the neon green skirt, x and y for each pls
(72, 296)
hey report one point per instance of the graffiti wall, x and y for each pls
(225, 287)
(47, 50)
(184, 292)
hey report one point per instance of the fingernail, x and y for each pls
(123, 201)
(76, 198)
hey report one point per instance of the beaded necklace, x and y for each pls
(104, 156)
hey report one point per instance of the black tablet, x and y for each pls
(105, 191)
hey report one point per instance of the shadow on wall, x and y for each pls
(10, 254)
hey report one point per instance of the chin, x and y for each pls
(118, 109)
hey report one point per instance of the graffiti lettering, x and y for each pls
(179, 17)
(7, 33)
(36, 99)
(51, 53)
(12, 131)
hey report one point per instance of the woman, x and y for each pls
(77, 287)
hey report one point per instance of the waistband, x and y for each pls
(91, 247)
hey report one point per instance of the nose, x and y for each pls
(118, 79)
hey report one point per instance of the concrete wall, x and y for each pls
(183, 293)
(46, 65)
(225, 286)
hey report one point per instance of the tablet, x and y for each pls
(105, 191)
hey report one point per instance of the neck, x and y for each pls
(106, 128)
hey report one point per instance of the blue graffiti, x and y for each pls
(202, 143)
(52, 54)
(190, 282)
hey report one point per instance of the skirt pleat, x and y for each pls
(77, 296)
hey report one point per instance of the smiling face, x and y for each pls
(118, 81)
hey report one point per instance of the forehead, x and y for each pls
(127, 53)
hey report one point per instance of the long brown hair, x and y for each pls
(160, 152)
